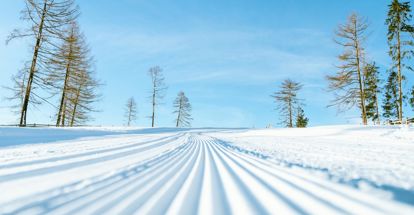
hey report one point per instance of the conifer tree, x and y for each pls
(287, 101)
(348, 84)
(183, 110)
(372, 89)
(82, 97)
(65, 66)
(390, 101)
(412, 98)
(400, 43)
(46, 20)
(158, 90)
(130, 111)
(301, 119)
(71, 77)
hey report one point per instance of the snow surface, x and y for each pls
(321, 170)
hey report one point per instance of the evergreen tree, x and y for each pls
(47, 19)
(287, 101)
(412, 98)
(348, 84)
(390, 102)
(130, 111)
(372, 89)
(183, 110)
(301, 119)
(400, 46)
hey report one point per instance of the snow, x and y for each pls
(372, 158)
(115, 170)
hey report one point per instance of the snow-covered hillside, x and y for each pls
(321, 170)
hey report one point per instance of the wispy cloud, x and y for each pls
(251, 56)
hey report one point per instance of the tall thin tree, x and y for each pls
(287, 101)
(183, 110)
(66, 65)
(348, 84)
(372, 89)
(72, 78)
(130, 111)
(400, 34)
(47, 18)
(390, 105)
(158, 90)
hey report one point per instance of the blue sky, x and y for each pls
(227, 56)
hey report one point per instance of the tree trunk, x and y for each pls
(129, 117)
(179, 112)
(75, 106)
(400, 96)
(361, 87)
(290, 115)
(377, 111)
(62, 100)
(129, 113)
(64, 114)
(153, 108)
(23, 115)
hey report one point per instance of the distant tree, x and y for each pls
(158, 89)
(348, 84)
(372, 89)
(130, 111)
(183, 110)
(47, 18)
(400, 34)
(412, 98)
(390, 102)
(287, 101)
(301, 119)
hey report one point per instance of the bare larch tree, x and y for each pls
(347, 83)
(130, 111)
(82, 98)
(72, 77)
(287, 101)
(47, 18)
(158, 89)
(183, 110)
(66, 65)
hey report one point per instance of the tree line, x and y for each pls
(358, 80)
(181, 105)
(62, 67)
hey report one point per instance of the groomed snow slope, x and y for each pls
(207, 171)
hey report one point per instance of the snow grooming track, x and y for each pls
(190, 173)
